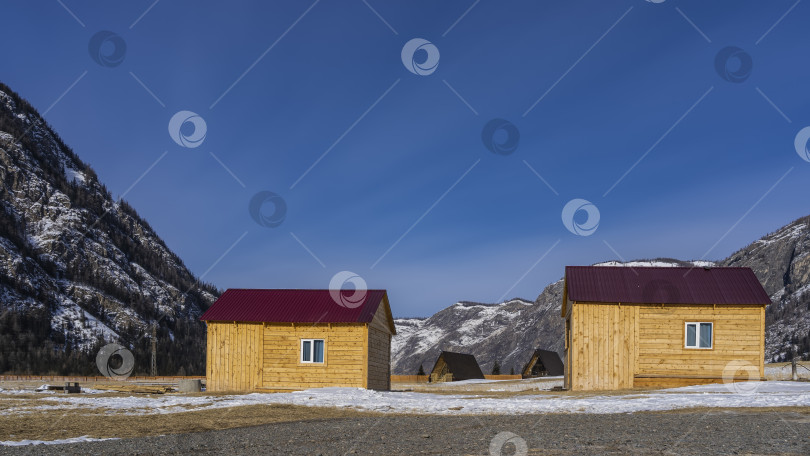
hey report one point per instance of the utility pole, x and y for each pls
(154, 350)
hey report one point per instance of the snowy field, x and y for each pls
(750, 394)
(483, 386)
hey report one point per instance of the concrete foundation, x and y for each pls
(190, 386)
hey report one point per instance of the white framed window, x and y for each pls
(312, 351)
(699, 335)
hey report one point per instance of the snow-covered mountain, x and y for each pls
(489, 331)
(510, 331)
(79, 269)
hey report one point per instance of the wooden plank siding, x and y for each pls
(600, 346)
(379, 360)
(762, 343)
(267, 356)
(617, 346)
(379, 349)
(233, 356)
(737, 336)
(344, 357)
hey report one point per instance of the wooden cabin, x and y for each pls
(451, 366)
(637, 327)
(544, 363)
(281, 340)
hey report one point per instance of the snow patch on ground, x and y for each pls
(744, 394)
(756, 394)
(51, 442)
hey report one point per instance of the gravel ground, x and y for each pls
(783, 431)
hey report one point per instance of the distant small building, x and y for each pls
(281, 340)
(544, 363)
(451, 366)
(637, 327)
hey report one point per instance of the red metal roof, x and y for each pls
(295, 306)
(664, 285)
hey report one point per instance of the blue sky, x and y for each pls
(406, 195)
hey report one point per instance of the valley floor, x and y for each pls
(437, 418)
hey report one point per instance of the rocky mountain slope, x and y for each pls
(78, 269)
(781, 261)
(508, 332)
(489, 331)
